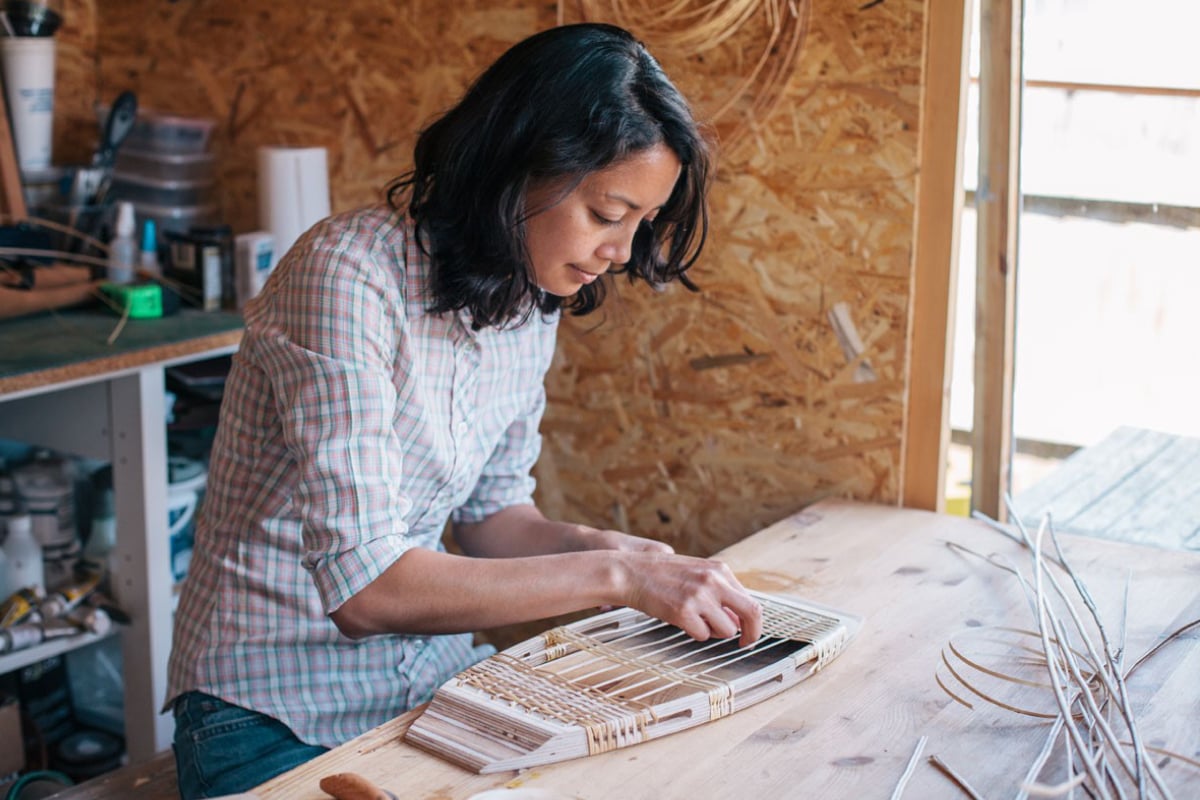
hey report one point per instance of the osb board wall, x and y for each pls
(75, 126)
(693, 418)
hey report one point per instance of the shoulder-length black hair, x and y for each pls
(561, 104)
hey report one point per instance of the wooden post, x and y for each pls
(12, 196)
(935, 256)
(998, 212)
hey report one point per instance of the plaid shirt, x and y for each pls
(354, 424)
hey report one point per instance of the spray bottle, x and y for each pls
(123, 250)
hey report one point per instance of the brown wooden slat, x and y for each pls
(12, 198)
(998, 214)
(939, 212)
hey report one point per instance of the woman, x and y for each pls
(391, 379)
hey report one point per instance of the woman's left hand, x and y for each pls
(596, 539)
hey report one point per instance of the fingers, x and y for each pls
(652, 546)
(723, 625)
(596, 539)
(702, 597)
(749, 615)
(738, 611)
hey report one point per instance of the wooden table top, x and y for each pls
(850, 730)
(62, 348)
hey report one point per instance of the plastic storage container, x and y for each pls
(96, 684)
(158, 166)
(166, 133)
(162, 192)
(177, 219)
(186, 481)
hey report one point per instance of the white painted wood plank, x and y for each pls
(1159, 471)
(1088, 475)
(141, 571)
(1160, 505)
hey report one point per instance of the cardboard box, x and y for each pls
(12, 744)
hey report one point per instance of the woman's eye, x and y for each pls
(603, 220)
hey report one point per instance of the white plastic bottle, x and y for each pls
(103, 537)
(24, 554)
(123, 249)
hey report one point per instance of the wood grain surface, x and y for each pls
(849, 731)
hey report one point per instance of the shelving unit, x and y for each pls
(63, 386)
(56, 647)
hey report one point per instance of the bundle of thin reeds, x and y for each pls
(1066, 669)
(763, 38)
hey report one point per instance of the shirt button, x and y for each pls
(461, 429)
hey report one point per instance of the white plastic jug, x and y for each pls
(24, 556)
(181, 510)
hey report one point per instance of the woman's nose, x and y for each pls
(618, 249)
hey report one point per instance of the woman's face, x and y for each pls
(574, 241)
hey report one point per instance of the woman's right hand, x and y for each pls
(701, 596)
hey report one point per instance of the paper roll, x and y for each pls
(293, 192)
(28, 63)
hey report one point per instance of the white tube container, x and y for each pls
(28, 63)
(293, 192)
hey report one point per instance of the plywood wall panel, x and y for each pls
(697, 418)
(739, 405)
(75, 123)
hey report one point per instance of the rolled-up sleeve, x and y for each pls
(330, 346)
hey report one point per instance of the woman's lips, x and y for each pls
(584, 275)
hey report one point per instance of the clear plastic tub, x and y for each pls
(166, 133)
(161, 192)
(176, 219)
(150, 165)
(95, 679)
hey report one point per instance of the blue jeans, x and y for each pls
(221, 748)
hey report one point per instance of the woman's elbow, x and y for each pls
(350, 623)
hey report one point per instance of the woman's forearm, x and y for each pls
(429, 592)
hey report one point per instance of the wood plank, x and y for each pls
(1135, 485)
(998, 216)
(12, 195)
(1158, 503)
(1087, 475)
(935, 254)
(154, 779)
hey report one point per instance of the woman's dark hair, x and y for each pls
(557, 106)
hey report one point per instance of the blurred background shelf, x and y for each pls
(19, 659)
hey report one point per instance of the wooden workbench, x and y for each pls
(57, 350)
(850, 730)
